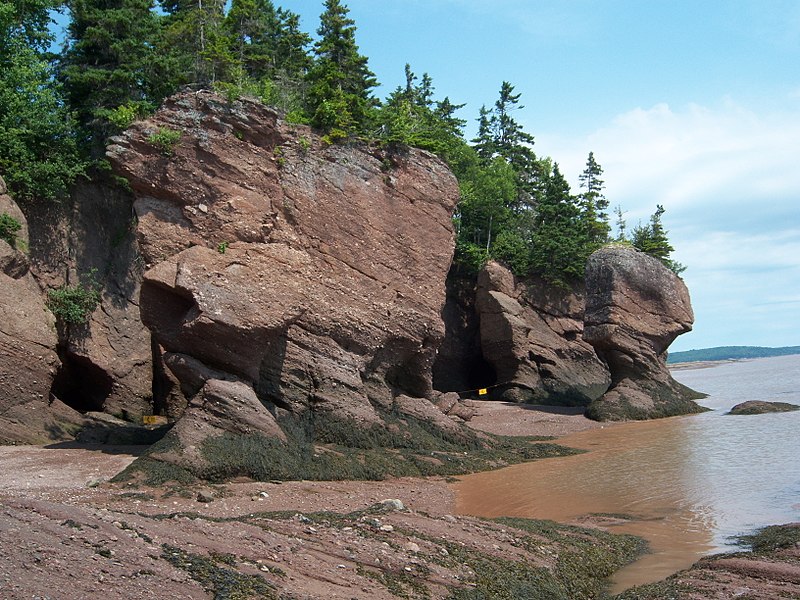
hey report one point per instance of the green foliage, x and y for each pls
(9, 227)
(594, 205)
(111, 69)
(652, 239)
(339, 80)
(74, 303)
(38, 148)
(411, 117)
(124, 115)
(560, 245)
(222, 247)
(165, 139)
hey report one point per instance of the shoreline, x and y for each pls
(66, 529)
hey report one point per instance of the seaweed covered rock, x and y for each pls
(635, 308)
(312, 274)
(760, 407)
(531, 333)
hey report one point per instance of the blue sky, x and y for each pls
(691, 104)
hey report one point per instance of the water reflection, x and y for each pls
(690, 482)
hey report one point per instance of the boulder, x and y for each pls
(220, 409)
(531, 333)
(312, 274)
(760, 407)
(635, 308)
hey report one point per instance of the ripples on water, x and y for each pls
(692, 483)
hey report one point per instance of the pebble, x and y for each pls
(393, 504)
(204, 496)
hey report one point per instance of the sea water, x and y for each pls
(690, 484)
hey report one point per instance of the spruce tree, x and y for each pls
(558, 247)
(38, 151)
(594, 204)
(197, 43)
(411, 117)
(499, 134)
(340, 82)
(266, 40)
(652, 239)
(110, 69)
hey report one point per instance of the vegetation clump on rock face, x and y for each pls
(9, 227)
(73, 304)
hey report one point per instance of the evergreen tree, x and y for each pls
(411, 117)
(110, 70)
(197, 43)
(499, 134)
(340, 81)
(621, 225)
(559, 245)
(652, 239)
(266, 40)
(594, 204)
(38, 151)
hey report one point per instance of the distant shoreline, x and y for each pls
(728, 353)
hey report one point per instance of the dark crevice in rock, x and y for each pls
(80, 384)
(162, 386)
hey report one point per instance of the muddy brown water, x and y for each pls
(690, 484)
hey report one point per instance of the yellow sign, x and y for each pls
(482, 392)
(153, 420)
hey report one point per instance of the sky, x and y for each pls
(691, 105)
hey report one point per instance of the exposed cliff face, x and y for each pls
(28, 359)
(635, 308)
(532, 334)
(312, 274)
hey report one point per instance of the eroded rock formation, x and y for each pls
(532, 335)
(28, 359)
(312, 275)
(635, 308)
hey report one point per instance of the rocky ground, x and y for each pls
(66, 533)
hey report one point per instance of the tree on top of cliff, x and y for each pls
(110, 66)
(38, 149)
(340, 81)
(411, 117)
(499, 134)
(593, 203)
(559, 247)
(652, 239)
(197, 42)
(266, 40)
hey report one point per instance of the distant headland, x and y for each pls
(729, 353)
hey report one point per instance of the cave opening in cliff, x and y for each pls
(468, 373)
(80, 384)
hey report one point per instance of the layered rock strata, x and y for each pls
(531, 334)
(635, 308)
(28, 359)
(313, 275)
